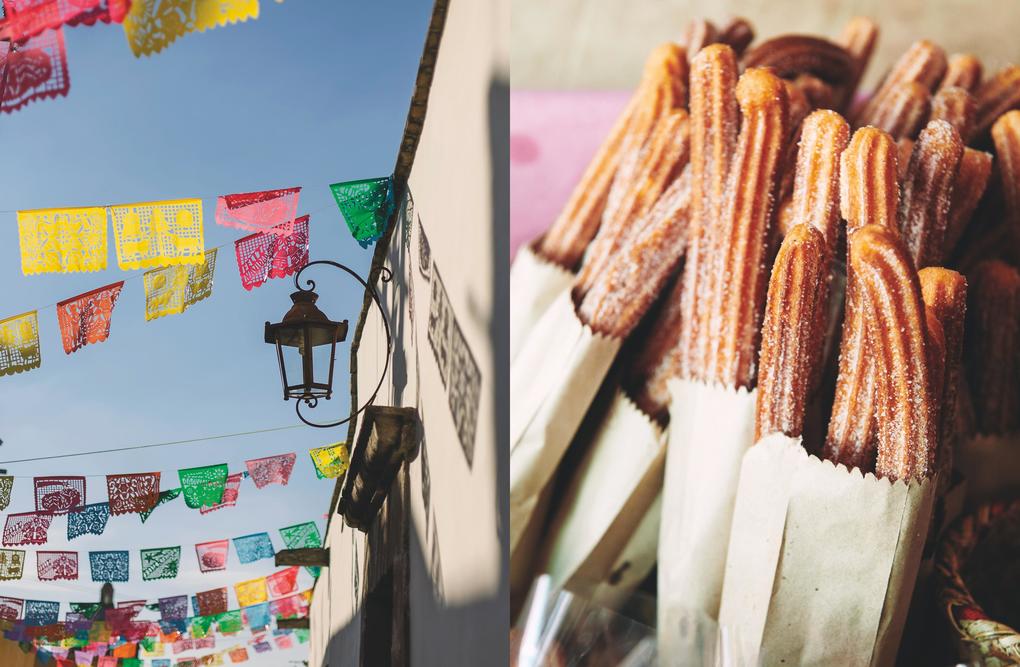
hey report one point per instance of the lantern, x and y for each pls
(305, 330)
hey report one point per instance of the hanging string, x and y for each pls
(170, 443)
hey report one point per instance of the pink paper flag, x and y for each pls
(271, 469)
(212, 556)
(54, 565)
(268, 254)
(36, 70)
(283, 582)
(259, 211)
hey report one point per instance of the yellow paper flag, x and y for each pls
(19, 344)
(62, 240)
(173, 289)
(153, 25)
(251, 592)
(162, 233)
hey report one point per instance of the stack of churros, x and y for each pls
(786, 313)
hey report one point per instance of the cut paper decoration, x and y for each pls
(132, 493)
(251, 592)
(10, 608)
(271, 211)
(212, 602)
(330, 461)
(182, 645)
(162, 563)
(27, 18)
(6, 486)
(86, 318)
(41, 612)
(161, 662)
(173, 608)
(200, 626)
(136, 606)
(230, 493)
(87, 609)
(164, 497)
(152, 26)
(301, 536)
(284, 642)
(35, 69)
(366, 206)
(62, 240)
(288, 607)
(257, 616)
(268, 255)
(207, 642)
(160, 233)
(109, 660)
(109, 566)
(173, 289)
(271, 469)
(212, 556)
(59, 495)
(91, 520)
(283, 582)
(229, 622)
(26, 528)
(19, 344)
(262, 647)
(251, 548)
(12, 564)
(53, 565)
(203, 486)
(239, 654)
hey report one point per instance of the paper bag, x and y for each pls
(534, 285)
(602, 511)
(557, 374)
(710, 429)
(822, 561)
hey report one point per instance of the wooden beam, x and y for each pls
(292, 623)
(306, 557)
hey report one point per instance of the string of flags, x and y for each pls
(167, 238)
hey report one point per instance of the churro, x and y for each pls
(895, 319)
(790, 55)
(869, 193)
(743, 230)
(858, 39)
(945, 293)
(963, 71)
(903, 111)
(738, 34)
(927, 188)
(698, 34)
(955, 106)
(993, 320)
(995, 97)
(714, 123)
(971, 180)
(1006, 135)
(823, 138)
(923, 63)
(790, 340)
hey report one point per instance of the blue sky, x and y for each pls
(310, 93)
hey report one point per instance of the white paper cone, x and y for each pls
(822, 560)
(557, 374)
(633, 564)
(534, 285)
(608, 498)
(990, 463)
(710, 429)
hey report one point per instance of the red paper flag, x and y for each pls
(132, 493)
(26, 528)
(27, 18)
(10, 608)
(53, 565)
(266, 255)
(271, 469)
(59, 495)
(36, 69)
(283, 582)
(86, 318)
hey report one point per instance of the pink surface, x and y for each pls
(553, 136)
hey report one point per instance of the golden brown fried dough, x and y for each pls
(993, 337)
(869, 193)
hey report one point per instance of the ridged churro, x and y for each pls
(955, 106)
(963, 71)
(945, 293)
(971, 180)
(904, 109)
(896, 325)
(995, 97)
(657, 362)
(869, 192)
(790, 55)
(927, 188)
(698, 34)
(633, 277)
(744, 229)
(924, 63)
(791, 340)
(823, 138)
(993, 335)
(858, 39)
(715, 120)
(665, 153)
(935, 346)
(663, 86)
(1006, 135)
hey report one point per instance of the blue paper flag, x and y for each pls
(109, 565)
(257, 615)
(41, 612)
(251, 548)
(91, 519)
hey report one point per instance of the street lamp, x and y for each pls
(305, 329)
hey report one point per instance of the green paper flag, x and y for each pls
(89, 609)
(230, 621)
(200, 626)
(164, 497)
(203, 487)
(148, 643)
(130, 662)
(160, 563)
(301, 536)
(302, 635)
(366, 206)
